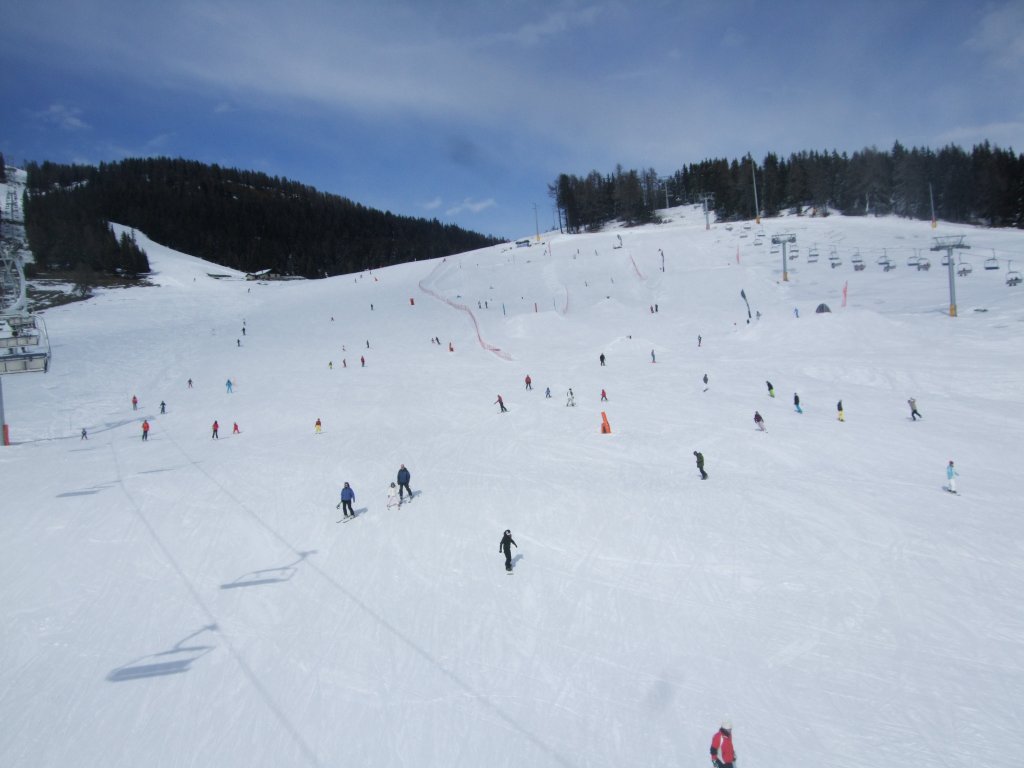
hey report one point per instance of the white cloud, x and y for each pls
(431, 205)
(63, 116)
(471, 206)
(1000, 35)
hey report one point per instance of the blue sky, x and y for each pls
(466, 111)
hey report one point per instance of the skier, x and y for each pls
(163, 407)
(507, 542)
(403, 483)
(85, 435)
(698, 340)
(228, 385)
(243, 330)
(135, 403)
(604, 396)
(723, 755)
(501, 403)
(347, 497)
(771, 389)
(796, 312)
(700, 465)
(529, 382)
(318, 427)
(705, 382)
(951, 475)
(652, 356)
(602, 358)
(216, 427)
(914, 415)
(759, 421)
(145, 430)
(796, 403)
(238, 342)
(393, 500)
(362, 361)
(570, 399)
(547, 393)
(839, 409)
(450, 347)
(330, 365)
(235, 430)
(190, 383)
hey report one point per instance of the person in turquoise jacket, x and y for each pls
(951, 476)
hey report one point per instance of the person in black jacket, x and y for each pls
(507, 542)
(403, 483)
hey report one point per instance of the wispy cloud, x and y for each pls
(431, 205)
(471, 206)
(1000, 35)
(65, 117)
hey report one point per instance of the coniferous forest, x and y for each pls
(984, 186)
(240, 219)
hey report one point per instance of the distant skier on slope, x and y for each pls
(951, 476)
(393, 500)
(507, 542)
(700, 465)
(403, 483)
(529, 382)
(570, 398)
(771, 389)
(759, 421)
(501, 404)
(347, 497)
(723, 754)
(914, 415)
(796, 403)
(145, 430)
(839, 409)
(216, 428)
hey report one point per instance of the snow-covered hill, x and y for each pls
(190, 601)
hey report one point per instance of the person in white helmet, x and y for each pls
(722, 753)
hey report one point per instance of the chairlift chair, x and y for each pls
(923, 264)
(912, 261)
(992, 262)
(1013, 277)
(963, 268)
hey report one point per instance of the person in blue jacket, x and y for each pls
(403, 483)
(347, 497)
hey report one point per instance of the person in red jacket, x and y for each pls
(216, 428)
(722, 753)
(145, 430)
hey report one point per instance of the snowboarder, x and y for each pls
(604, 396)
(501, 403)
(330, 365)
(602, 358)
(547, 393)
(759, 421)
(403, 483)
(507, 542)
(163, 407)
(85, 435)
(839, 410)
(216, 428)
(914, 415)
(705, 382)
(723, 755)
(347, 497)
(145, 430)
(135, 403)
(228, 385)
(771, 389)
(529, 382)
(318, 427)
(796, 403)
(235, 430)
(570, 399)
(393, 500)
(951, 475)
(700, 465)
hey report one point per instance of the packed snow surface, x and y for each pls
(191, 601)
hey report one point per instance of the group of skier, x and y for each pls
(396, 493)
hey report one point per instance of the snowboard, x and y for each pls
(947, 490)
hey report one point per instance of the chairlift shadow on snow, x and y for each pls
(268, 575)
(174, 661)
(85, 492)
